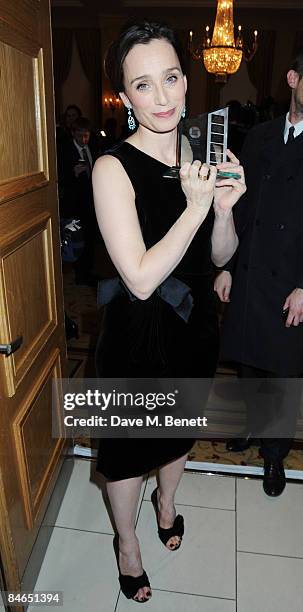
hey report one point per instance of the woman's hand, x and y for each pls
(229, 191)
(223, 285)
(198, 184)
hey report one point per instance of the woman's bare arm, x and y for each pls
(143, 270)
(227, 193)
(224, 238)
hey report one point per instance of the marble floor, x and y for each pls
(242, 551)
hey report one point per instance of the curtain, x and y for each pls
(62, 57)
(182, 34)
(260, 68)
(89, 46)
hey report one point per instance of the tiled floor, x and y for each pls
(242, 551)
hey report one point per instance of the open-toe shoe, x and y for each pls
(130, 584)
(176, 530)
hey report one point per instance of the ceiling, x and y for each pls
(101, 6)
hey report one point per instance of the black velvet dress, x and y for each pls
(149, 338)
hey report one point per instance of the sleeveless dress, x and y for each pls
(166, 335)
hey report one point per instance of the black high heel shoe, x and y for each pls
(130, 584)
(176, 530)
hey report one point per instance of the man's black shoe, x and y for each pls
(274, 478)
(237, 445)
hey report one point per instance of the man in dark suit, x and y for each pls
(265, 277)
(75, 164)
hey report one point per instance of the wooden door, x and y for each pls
(31, 301)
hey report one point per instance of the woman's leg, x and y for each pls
(169, 478)
(124, 496)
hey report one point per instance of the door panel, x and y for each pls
(37, 452)
(18, 99)
(24, 159)
(31, 298)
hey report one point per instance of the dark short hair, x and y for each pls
(82, 124)
(73, 107)
(297, 62)
(134, 33)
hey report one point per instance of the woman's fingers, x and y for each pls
(237, 184)
(203, 172)
(207, 175)
(232, 157)
(212, 174)
(229, 166)
(198, 183)
(189, 170)
(184, 170)
(197, 171)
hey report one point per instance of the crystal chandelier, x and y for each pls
(222, 55)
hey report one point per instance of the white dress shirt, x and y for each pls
(89, 155)
(298, 128)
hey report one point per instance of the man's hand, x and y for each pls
(223, 285)
(294, 304)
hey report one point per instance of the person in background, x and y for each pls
(64, 129)
(75, 165)
(265, 277)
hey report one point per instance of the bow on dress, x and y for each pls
(172, 290)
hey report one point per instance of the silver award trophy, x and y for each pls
(204, 138)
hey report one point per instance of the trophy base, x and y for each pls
(173, 172)
(223, 175)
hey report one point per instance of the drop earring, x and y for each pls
(183, 113)
(131, 120)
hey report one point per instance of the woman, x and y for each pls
(155, 229)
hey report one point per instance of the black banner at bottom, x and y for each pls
(178, 408)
